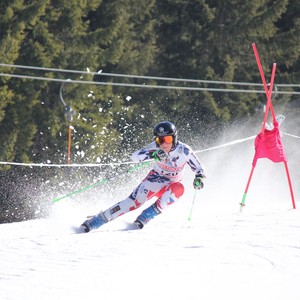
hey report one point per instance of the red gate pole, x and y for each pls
(247, 187)
(290, 184)
(269, 105)
(267, 91)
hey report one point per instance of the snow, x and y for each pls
(221, 253)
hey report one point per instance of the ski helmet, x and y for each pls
(166, 128)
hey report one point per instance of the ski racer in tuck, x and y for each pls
(163, 181)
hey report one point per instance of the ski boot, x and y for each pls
(147, 214)
(93, 223)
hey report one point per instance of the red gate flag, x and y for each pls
(268, 145)
(268, 142)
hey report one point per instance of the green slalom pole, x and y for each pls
(190, 216)
(102, 181)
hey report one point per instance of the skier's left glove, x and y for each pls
(199, 182)
(159, 155)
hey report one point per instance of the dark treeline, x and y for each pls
(194, 39)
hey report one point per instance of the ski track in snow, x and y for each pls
(238, 255)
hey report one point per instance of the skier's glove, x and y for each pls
(159, 155)
(199, 182)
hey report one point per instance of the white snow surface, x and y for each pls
(221, 253)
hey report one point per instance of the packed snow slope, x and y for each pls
(221, 253)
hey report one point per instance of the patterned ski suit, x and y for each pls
(163, 181)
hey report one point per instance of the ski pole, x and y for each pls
(190, 216)
(102, 181)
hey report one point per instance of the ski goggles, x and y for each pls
(168, 139)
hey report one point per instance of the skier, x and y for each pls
(163, 181)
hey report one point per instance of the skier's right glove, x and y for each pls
(198, 182)
(159, 155)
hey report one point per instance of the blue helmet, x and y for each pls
(166, 128)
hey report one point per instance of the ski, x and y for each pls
(77, 229)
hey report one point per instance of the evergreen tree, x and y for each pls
(16, 124)
(211, 40)
(208, 40)
(127, 39)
